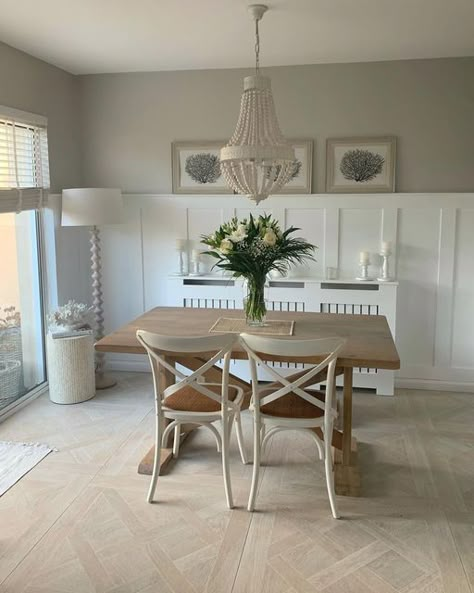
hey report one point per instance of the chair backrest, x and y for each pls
(162, 349)
(258, 346)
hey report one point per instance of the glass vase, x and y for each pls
(254, 302)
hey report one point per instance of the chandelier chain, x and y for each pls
(257, 48)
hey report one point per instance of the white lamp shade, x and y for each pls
(91, 206)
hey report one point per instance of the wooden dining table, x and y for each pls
(369, 344)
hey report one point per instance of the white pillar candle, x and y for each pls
(180, 244)
(195, 255)
(386, 247)
(364, 257)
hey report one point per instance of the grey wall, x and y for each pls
(32, 85)
(130, 120)
(116, 129)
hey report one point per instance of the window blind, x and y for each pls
(24, 165)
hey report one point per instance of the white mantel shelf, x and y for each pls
(286, 279)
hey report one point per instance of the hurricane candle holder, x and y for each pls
(195, 263)
(181, 251)
(364, 262)
(385, 253)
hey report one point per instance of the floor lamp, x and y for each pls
(93, 207)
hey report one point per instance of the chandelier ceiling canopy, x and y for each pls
(257, 161)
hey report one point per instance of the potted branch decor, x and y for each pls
(70, 353)
(71, 317)
(252, 248)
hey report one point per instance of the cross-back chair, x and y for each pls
(288, 404)
(192, 400)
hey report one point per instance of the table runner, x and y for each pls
(239, 326)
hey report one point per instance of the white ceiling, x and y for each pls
(92, 36)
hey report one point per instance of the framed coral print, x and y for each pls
(360, 165)
(197, 168)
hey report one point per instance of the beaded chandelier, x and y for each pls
(257, 161)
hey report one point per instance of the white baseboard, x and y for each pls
(430, 385)
(134, 366)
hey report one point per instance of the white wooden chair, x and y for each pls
(191, 400)
(287, 406)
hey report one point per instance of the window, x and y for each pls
(24, 180)
(24, 165)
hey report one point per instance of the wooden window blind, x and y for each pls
(24, 164)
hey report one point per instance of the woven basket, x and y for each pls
(10, 379)
(71, 369)
(10, 344)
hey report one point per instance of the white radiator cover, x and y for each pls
(296, 294)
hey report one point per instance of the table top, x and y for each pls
(369, 340)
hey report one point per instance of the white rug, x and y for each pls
(16, 459)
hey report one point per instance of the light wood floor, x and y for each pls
(79, 523)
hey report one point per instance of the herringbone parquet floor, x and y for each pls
(79, 523)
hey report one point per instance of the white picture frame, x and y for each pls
(302, 182)
(196, 167)
(360, 165)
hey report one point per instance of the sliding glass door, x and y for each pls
(22, 355)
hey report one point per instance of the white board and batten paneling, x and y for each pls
(432, 235)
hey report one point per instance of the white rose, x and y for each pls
(226, 246)
(270, 238)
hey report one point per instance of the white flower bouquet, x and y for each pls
(252, 248)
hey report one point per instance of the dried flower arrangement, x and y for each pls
(71, 317)
(9, 317)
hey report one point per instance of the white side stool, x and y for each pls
(71, 369)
